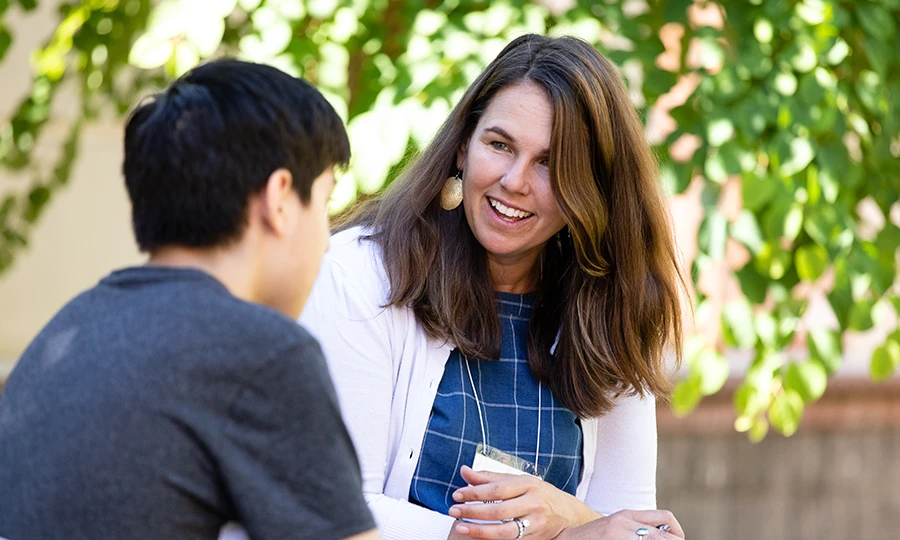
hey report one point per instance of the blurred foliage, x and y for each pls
(792, 106)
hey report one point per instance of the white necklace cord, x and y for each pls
(537, 452)
(477, 402)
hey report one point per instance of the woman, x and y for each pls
(505, 306)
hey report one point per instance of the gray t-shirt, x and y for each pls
(158, 405)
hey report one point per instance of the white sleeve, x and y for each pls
(355, 334)
(625, 462)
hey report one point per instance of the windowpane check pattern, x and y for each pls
(508, 394)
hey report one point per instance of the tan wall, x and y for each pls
(85, 231)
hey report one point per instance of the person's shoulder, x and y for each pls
(353, 247)
(357, 258)
(266, 324)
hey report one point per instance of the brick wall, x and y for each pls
(838, 477)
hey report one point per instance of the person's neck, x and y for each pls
(227, 265)
(519, 276)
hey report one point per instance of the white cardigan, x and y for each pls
(386, 372)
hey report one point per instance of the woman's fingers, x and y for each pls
(490, 511)
(624, 525)
(654, 518)
(498, 531)
(490, 486)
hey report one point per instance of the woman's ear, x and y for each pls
(273, 198)
(461, 155)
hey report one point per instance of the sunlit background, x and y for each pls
(777, 129)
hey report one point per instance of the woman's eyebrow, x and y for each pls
(502, 132)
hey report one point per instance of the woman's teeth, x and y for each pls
(507, 211)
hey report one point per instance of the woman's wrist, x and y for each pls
(582, 513)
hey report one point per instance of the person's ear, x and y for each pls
(274, 197)
(461, 155)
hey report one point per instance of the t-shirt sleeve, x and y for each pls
(287, 461)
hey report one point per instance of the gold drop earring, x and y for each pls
(452, 192)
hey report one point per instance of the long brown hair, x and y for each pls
(610, 283)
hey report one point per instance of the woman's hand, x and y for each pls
(546, 509)
(623, 525)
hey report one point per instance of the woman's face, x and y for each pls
(508, 200)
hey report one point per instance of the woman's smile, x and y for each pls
(508, 213)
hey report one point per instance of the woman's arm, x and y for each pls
(625, 461)
(344, 312)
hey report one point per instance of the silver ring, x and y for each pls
(642, 532)
(664, 528)
(523, 526)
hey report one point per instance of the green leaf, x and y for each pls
(885, 360)
(712, 369)
(206, 35)
(759, 430)
(748, 400)
(801, 154)
(861, 316)
(808, 379)
(773, 261)
(762, 30)
(676, 10)
(719, 131)
(876, 21)
(150, 52)
(756, 192)
(888, 240)
(5, 41)
(686, 396)
(838, 52)
(841, 300)
(715, 168)
(828, 227)
(811, 261)
(803, 55)
(658, 82)
(745, 229)
(793, 221)
(766, 328)
(753, 285)
(713, 234)
(738, 317)
(785, 412)
(825, 347)
(812, 12)
(219, 8)
(37, 198)
(186, 57)
(9, 203)
(785, 83)
(878, 53)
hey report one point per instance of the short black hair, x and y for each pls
(197, 152)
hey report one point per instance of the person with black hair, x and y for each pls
(179, 395)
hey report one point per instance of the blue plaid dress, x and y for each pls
(508, 393)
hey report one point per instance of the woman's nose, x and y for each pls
(516, 178)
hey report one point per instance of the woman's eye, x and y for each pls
(499, 145)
